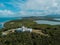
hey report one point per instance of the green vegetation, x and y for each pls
(26, 38)
(41, 18)
(19, 23)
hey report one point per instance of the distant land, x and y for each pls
(53, 16)
(47, 17)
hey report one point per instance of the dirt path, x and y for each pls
(39, 32)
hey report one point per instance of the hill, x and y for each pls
(53, 16)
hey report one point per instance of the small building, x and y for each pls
(24, 29)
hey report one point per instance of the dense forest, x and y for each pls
(26, 38)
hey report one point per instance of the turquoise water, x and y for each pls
(3, 20)
(7, 19)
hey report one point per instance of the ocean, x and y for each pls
(3, 20)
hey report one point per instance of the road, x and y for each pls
(39, 32)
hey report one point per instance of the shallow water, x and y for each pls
(3, 20)
(47, 22)
(57, 19)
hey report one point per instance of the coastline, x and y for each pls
(42, 21)
(4, 20)
(2, 23)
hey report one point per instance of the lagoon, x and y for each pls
(58, 19)
(48, 22)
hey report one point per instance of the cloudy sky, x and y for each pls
(16, 8)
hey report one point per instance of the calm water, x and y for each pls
(3, 20)
(47, 22)
(57, 19)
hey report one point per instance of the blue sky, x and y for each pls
(16, 8)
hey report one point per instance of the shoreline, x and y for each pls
(2, 24)
(7, 20)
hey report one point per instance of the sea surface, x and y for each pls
(3, 20)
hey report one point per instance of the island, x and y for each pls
(28, 32)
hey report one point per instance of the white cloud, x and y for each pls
(38, 7)
(6, 13)
(31, 13)
(48, 7)
(37, 4)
